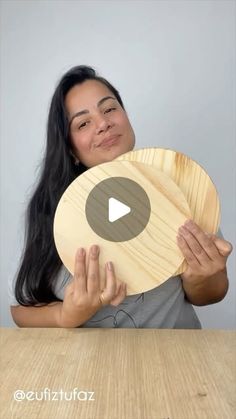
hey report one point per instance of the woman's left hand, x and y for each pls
(205, 254)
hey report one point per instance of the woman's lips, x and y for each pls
(106, 143)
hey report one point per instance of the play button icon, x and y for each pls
(117, 209)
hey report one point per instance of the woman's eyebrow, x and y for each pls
(100, 102)
(103, 100)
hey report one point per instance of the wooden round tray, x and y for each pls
(144, 261)
(192, 179)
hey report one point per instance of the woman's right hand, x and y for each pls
(87, 293)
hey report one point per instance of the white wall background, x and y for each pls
(174, 64)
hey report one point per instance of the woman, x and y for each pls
(88, 125)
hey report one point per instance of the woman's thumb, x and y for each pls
(224, 247)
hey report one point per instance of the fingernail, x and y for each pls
(94, 250)
(81, 251)
(110, 266)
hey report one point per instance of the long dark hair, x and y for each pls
(40, 263)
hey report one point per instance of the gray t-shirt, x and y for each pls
(163, 307)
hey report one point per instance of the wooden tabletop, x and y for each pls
(118, 374)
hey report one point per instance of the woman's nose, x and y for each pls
(102, 124)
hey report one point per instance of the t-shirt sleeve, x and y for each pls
(63, 279)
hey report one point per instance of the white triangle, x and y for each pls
(116, 209)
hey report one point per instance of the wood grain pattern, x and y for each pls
(154, 251)
(134, 374)
(192, 179)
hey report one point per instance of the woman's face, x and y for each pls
(100, 129)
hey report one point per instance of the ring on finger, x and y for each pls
(102, 299)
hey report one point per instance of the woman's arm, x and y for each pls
(46, 316)
(205, 279)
